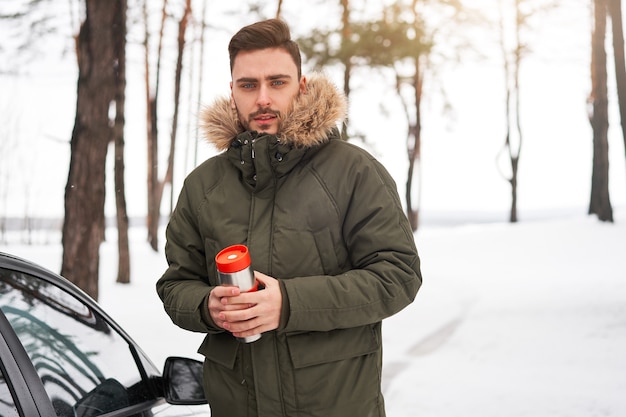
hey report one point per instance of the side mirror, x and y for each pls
(182, 381)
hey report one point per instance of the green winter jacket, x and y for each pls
(323, 217)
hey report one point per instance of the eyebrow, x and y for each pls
(268, 78)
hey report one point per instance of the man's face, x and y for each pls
(265, 83)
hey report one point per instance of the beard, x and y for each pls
(246, 121)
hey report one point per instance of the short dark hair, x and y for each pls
(271, 33)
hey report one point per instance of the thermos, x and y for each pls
(233, 268)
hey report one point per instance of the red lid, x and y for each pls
(233, 259)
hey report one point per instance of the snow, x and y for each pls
(517, 320)
(525, 319)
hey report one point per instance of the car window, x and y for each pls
(7, 405)
(86, 367)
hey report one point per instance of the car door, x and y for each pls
(65, 347)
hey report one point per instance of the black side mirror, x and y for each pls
(182, 381)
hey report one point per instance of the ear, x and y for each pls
(303, 85)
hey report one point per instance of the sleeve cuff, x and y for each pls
(285, 310)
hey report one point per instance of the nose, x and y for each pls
(263, 99)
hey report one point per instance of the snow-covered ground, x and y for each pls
(512, 320)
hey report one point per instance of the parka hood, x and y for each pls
(309, 122)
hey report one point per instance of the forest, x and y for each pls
(161, 60)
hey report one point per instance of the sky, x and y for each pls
(462, 163)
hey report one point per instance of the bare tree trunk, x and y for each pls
(515, 153)
(148, 91)
(154, 200)
(279, 9)
(154, 210)
(615, 11)
(169, 174)
(513, 131)
(119, 32)
(414, 151)
(345, 36)
(83, 228)
(200, 78)
(415, 133)
(600, 203)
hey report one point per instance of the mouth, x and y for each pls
(265, 118)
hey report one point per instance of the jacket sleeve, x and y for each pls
(385, 274)
(184, 287)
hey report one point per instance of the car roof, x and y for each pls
(10, 261)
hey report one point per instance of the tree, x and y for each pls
(157, 186)
(119, 45)
(514, 50)
(512, 59)
(279, 9)
(100, 99)
(152, 94)
(600, 203)
(390, 41)
(347, 62)
(169, 173)
(615, 12)
(203, 26)
(97, 87)
(411, 37)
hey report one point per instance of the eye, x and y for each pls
(278, 83)
(247, 86)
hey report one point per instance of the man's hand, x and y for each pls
(249, 313)
(216, 307)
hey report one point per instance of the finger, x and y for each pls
(225, 291)
(249, 327)
(238, 315)
(263, 279)
(226, 306)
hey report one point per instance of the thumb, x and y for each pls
(266, 280)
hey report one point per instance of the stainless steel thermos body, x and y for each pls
(233, 268)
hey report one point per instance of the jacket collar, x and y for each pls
(262, 159)
(311, 120)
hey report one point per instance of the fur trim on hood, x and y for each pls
(308, 123)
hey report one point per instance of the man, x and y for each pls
(326, 232)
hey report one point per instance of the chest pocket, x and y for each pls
(300, 253)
